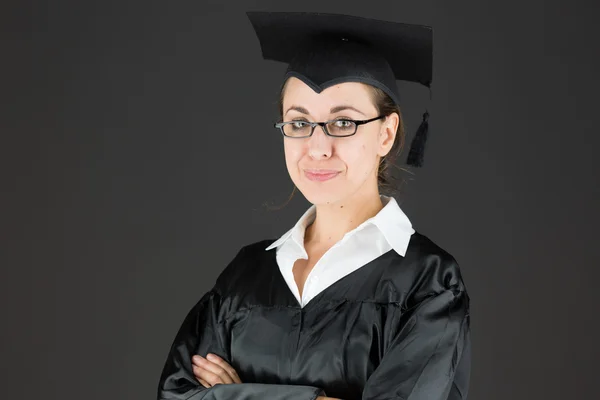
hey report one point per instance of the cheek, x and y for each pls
(359, 158)
(293, 154)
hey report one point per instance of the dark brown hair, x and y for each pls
(385, 106)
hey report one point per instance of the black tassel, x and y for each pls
(417, 147)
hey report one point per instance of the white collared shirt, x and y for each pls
(389, 229)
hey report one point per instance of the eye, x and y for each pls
(343, 123)
(299, 124)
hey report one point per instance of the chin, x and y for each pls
(321, 194)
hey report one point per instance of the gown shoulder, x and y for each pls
(429, 269)
(249, 270)
(426, 269)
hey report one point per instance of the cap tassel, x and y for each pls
(417, 147)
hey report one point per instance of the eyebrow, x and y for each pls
(332, 111)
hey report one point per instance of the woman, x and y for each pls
(352, 302)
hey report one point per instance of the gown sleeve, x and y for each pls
(428, 358)
(204, 331)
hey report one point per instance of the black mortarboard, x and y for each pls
(325, 49)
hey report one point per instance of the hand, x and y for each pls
(326, 398)
(213, 370)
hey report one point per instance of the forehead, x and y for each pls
(350, 93)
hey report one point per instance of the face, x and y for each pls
(332, 170)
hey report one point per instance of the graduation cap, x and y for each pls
(323, 49)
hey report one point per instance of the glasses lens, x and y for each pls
(297, 129)
(341, 127)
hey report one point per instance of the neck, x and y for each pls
(333, 221)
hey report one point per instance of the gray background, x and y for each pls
(137, 150)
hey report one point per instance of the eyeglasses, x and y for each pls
(336, 128)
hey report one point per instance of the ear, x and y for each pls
(387, 134)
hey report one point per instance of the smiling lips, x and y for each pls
(320, 175)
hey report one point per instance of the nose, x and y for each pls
(320, 145)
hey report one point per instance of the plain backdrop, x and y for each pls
(137, 153)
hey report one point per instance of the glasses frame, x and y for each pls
(323, 126)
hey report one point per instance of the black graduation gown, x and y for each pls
(396, 328)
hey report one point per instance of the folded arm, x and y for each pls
(203, 332)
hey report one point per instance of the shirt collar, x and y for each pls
(297, 232)
(394, 224)
(391, 221)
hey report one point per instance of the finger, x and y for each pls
(214, 368)
(235, 376)
(202, 371)
(198, 361)
(196, 371)
(207, 376)
(223, 364)
(204, 383)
